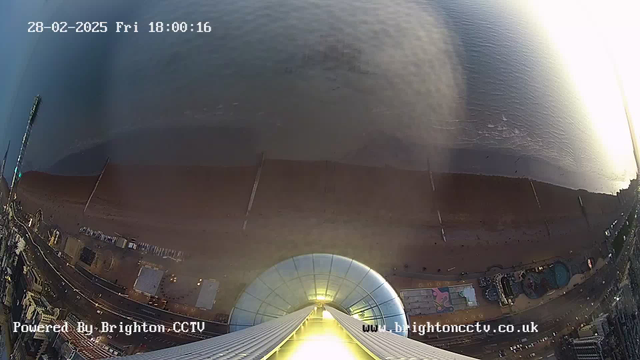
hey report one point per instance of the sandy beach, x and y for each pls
(382, 217)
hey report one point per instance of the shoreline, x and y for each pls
(230, 147)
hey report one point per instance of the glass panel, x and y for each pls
(383, 294)
(304, 264)
(345, 289)
(321, 284)
(356, 296)
(357, 272)
(242, 317)
(287, 269)
(272, 278)
(258, 289)
(334, 285)
(248, 303)
(270, 310)
(371, 281)
(309, 284)
(322, 263)
(340, 265)
(278, 302)
(392, 307)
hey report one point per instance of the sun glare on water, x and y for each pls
(597, 43)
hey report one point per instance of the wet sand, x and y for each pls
(385, 218)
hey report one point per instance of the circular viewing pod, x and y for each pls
(335, 280)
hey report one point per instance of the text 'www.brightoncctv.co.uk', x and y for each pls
(422, 329)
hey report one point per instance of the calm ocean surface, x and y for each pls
(460, 85)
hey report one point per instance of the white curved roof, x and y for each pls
(333, 279)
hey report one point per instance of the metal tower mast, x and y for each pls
(25, 141)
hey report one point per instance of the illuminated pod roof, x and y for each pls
(342, 282)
